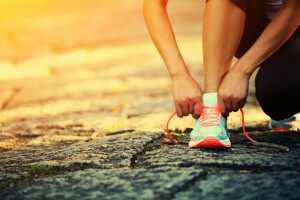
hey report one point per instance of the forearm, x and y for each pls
(159, 27)
(273, 37)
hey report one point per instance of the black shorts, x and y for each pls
(278, 79)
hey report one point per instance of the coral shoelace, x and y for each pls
(215, 115)
(210, 116)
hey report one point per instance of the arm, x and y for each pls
(159, 27)
(234, 87)
(187, 93)
(273, 37)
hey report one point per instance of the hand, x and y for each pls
(187, 96)
(233, 91)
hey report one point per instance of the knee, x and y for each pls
(275, 101)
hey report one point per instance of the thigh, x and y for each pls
(278, 80)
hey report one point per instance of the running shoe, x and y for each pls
(211, 128)
(291, 123)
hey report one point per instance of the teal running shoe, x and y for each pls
(291, 123)
(210, 130)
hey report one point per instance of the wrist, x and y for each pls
(180, 74)
(177, 67)
(178, 70)
(244, 70)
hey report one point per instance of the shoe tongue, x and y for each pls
(210, 100)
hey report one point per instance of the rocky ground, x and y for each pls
(88, 123)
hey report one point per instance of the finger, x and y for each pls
(197, 109)
(191, 107)
(235, 106)
(185, 110)
(178, 110)
(222, 106)
(228, 105)
(242, 103)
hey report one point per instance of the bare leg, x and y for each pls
(223, 26)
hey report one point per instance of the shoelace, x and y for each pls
(208, 123)
(210, 116)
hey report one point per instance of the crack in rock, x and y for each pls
(154, 144)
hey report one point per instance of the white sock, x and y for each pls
(210, 99)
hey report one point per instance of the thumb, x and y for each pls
(197, 109)
(222, 106)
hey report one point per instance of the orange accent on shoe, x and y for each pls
(279, 129)
(210, 142)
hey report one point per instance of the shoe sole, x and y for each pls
(211, 142)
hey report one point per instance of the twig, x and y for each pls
(269, 145)
(120, 132)
(92, 137)
(250, 171)
(7, 97)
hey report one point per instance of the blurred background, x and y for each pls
(36, 28)
(42, 41)
(39, 38)
(92, 63)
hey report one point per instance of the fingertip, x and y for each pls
(222, 108)
(242, 103)
(223, 111)
(179, 114)
(235, 109)
(197, 109)
(226, 114)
